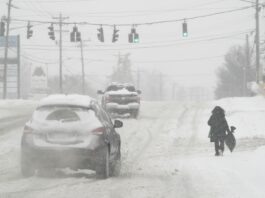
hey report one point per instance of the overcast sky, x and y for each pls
(190, 61)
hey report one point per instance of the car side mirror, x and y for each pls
(139, 91)
(232, 129)
(100, 92)
(118, 124)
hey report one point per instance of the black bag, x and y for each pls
(230, 139)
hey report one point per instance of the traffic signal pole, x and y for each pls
(61, 19)
(6, 49)
(61, 53)
(83, 67)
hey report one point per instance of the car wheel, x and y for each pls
(135, 114)
(104, 170)
(27, 168)
(116, 166)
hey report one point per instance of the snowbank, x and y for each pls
(11, 108)
(246, 114)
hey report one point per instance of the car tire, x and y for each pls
(27, 169)
(104, 170)
(116, 166)
(135, 114)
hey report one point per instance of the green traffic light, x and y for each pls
(185, 34)
(136, 40)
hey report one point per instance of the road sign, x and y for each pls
(12, 41)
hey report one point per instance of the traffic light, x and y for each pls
(2, 28)
(130, 38)
(75, 29)
(29, 31)
(78, 36)
(115, 35)
(101, 34)
(136, 38)
(75, 36)
(133, 36)
(51, 32)
(184, 29)
(72, 36)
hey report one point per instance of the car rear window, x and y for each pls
(130, 88)
(113, 88)
(119, 87)
(64, 114)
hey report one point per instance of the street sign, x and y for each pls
(12, 41)
(39, 83)
(9, 61)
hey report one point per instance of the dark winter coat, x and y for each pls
(218, 124)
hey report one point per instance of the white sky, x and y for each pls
(164, 49)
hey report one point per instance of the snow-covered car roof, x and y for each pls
(71, 100)
(121, 84)
(122, 92)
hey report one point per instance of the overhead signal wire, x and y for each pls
(33, 59)
(140, 24)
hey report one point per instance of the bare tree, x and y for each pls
(235, 74)
(71, 85)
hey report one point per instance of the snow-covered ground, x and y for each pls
(165, 154)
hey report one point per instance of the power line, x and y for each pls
(252, 2)
(34, 59)
(140, 12)
(180, 60)
(24, 26)
(141, 24)
(168, 60)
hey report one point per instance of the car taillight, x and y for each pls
(98, 131)
(107, 99)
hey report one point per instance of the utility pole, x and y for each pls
(259, 70)
(61, 19)
(246, 66)
(6, 48)
(160, 85)
(83, 67)
(138, 78)
(61, 52)
(18, 69)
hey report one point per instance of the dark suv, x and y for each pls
(120, 99)
(71, 131)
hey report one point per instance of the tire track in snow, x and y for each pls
(154, 125)
(184, 182)
(164, 181)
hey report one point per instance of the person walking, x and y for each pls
(219, 129)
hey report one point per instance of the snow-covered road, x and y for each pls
(165, 154)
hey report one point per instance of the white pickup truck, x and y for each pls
(121, 99)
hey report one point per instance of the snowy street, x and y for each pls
(165, 153)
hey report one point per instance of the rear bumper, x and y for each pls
(75, 158)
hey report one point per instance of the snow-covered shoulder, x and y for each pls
(247, 114)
